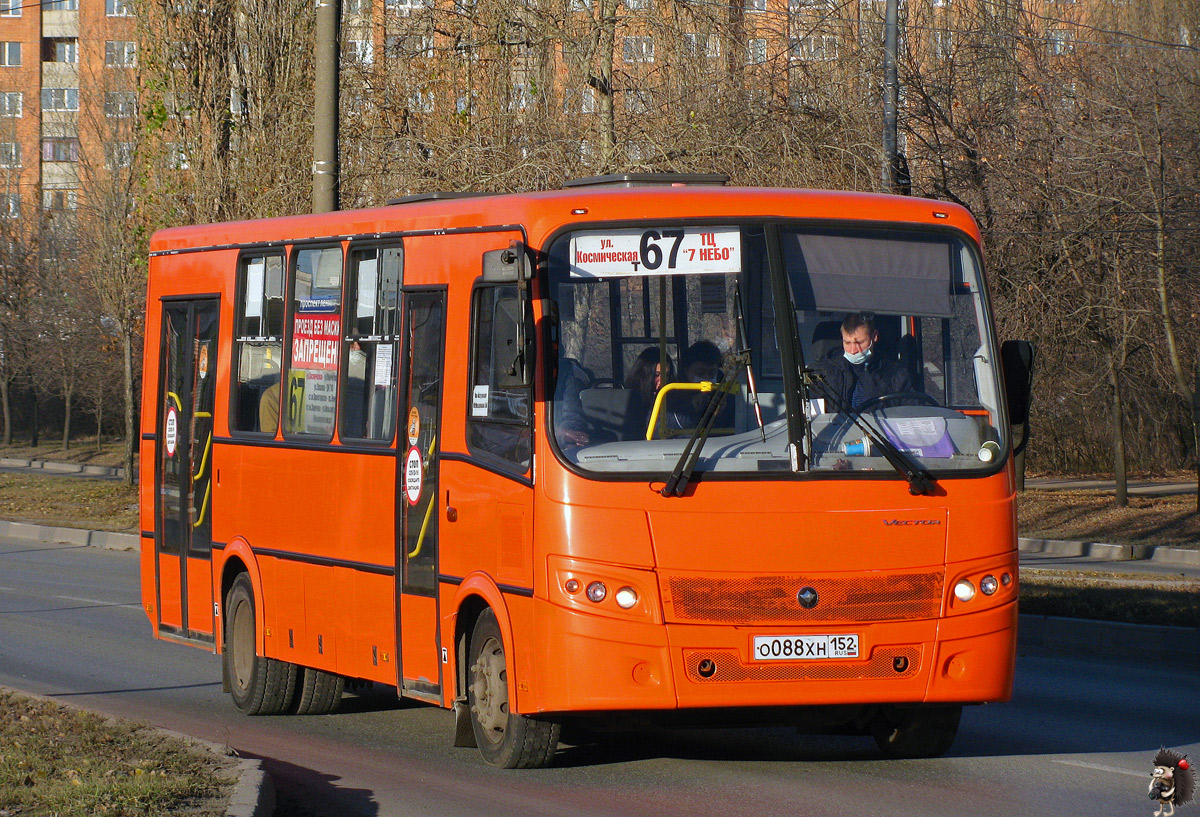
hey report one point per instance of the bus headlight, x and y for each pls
(963, 590)
(988, 585)
(597, 592)
(626, 597)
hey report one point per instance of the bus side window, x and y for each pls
(372, 332)
(310, 398)
(258, 344)
(499, 414)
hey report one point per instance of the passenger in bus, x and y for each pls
(268, 409)
(864, 370)
(650, 371)
(701, 363)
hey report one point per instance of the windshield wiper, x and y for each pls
(920, 481)
(681, 475)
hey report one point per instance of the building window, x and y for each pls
(356, 7)
(421, 101)
(60, 150)
(639, 101)
(815, 47)
(637, 5)
(943, 44)
(60, 200)
(755, 5)
(10, 8)
(117, 8)
(411, 45)
(60, 49)
(60, 5)
(118, 154)
(10, 205)
(60, 99)
(1060, 41)
(10, 103)
(120, 54)
(697, 46)
(639, 49)
(10, 154)
(120, 104)
(405, 7)
(10, 54)
(756, 51)
(361, 52)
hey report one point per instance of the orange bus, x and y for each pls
(643, 447)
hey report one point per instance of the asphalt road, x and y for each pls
(1078, 738)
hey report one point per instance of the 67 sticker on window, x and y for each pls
(656, 251)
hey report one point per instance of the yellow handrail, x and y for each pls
(702, 386)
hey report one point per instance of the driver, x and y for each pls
(862, 372)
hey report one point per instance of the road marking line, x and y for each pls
(97, 601)
(1101, 767)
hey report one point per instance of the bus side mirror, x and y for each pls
(507, 266)
(1017, 357)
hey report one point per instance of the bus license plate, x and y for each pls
(804, 647)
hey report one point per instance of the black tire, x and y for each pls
(258, 685)
(319, 692)
(918, 731)
(505, 739)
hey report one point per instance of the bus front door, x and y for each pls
(417, 491)
(183, 508)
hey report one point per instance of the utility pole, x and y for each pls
(895, 166)
(325, 107)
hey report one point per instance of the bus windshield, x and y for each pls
(662, 329)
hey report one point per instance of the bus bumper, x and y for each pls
(596, 663)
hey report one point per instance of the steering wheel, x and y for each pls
(919, 396)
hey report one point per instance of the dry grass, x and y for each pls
(71, 502)
(83, 451)
(56, 760)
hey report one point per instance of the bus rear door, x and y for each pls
(183, 467)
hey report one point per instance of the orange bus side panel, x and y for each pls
(367, 627)
(418, 617)
(200, 595)
(169, 581)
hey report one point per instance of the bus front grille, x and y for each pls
(775, 599)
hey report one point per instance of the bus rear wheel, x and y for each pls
(319, 692)
(918, 731)
(505, 739)
(258, 685)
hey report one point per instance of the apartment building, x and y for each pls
(67, 92)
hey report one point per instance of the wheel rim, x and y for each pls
(489, 689)
(242, 648)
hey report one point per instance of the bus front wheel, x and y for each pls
(917, 731)
(258, 685)
(505, 739)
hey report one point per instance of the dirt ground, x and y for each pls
(1092, 516)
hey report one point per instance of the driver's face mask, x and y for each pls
(858, 358)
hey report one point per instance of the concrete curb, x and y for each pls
(63, 467)
(109, 540)
(253, 792)
(1159, 554)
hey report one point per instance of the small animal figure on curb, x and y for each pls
(1172, 783)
